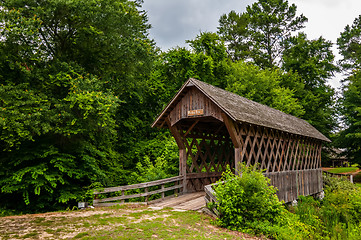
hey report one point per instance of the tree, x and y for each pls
(71, 75)
(260, 32)
(207, 61)
(233, 30)
(350, 102)
(349, 44)
(312, 60)
(264, 86)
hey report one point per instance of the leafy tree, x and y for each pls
(207, 61)
(264, 86)
(350, 102)
(64, 66)
(312, 60)
(264, 35)
(349, 44)
(258, 34)
(233, 30)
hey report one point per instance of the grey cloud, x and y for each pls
(174, 21)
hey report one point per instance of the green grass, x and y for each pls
(118, 223)
(343, 170)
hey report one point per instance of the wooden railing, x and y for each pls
(211, 198)
(114, 200)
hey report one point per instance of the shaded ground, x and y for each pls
(126, 222)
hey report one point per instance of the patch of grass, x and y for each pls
(343, 170)
(29, 235)
(80, 235)
(38, 220)
(49, 230)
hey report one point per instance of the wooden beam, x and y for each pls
(191, 127)
(176, 134)
(231, 130)
(237, 157)
(183, 167)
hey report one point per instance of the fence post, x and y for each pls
(146, 197)
(162, 187)
(122, 196)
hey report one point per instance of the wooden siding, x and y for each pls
(194, 100)
(291, 184)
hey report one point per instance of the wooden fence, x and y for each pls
(175, 182)
(290, 185)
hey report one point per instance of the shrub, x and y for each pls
(249, 204)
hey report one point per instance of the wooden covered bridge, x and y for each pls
(214, 128)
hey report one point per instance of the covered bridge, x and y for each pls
(215, 128)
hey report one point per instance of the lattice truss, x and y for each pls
(208, 152)
(275, 150)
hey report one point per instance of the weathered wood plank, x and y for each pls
(145, 194)
(139, 185)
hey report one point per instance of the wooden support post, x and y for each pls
(122, 194)
(146, 197)
(183, 167)
(230, 125)
(162, 187)
(237, 157)
(231, 130)
(182, 153)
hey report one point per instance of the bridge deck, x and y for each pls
(189, 201)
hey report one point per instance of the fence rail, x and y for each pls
(110, 201)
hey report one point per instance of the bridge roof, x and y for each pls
(241, 109)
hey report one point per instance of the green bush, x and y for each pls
(248, 203)
(246, 199)
(338, 215)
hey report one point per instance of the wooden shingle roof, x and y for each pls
(241, 109)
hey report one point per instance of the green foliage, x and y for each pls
(157, 159)
(334, 183)
(312, 60)
(247, 203)
(349, 44)
(337, 216)
(263, 86)
(350, 105)
(265, 36)
(233, 30)
(260, 31)
(64, 66)
(207, 61)
(54, 147)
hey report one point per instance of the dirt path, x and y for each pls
(126, 222)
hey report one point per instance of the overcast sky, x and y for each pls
(174, 21)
